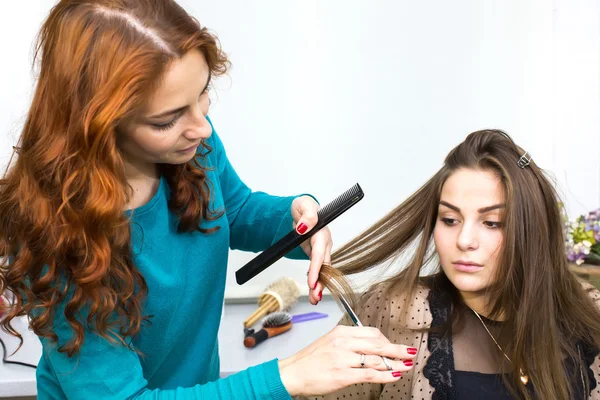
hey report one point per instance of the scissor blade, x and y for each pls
(350, 312)
(357, 322)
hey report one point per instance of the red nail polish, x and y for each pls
(320, 295)
(408, 363)
(396, 374)
(314, 287)
(301, 228)
(411, 350)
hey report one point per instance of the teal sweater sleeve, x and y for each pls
(256, 219)
(103, 370)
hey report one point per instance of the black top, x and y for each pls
(478, 386)
(465, 385)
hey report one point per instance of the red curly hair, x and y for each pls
(62, 224)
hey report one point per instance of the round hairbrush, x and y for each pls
(280, 295)
(272, 325)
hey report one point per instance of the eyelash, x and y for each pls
(448, 221)
(489, 224)
(170, 124)
(167, 126)
(493, 224)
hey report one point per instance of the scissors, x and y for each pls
(357, 322)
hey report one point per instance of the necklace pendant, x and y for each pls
(524, 378)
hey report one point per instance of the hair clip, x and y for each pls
(524, 160)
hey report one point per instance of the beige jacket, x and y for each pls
(420, 382)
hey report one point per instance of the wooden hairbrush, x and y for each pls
(272, 325)
(280, 295)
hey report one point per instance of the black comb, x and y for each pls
(293, 239)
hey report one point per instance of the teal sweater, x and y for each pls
(185, 273)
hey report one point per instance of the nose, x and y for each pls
(199, 128)
(467, 238)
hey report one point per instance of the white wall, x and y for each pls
(326, 94)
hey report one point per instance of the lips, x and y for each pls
(470, 263)
(189, 148)
(467, 266)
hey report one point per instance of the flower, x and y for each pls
(583, 238)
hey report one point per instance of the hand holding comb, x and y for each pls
(293, 239)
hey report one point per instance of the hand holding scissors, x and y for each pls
(357, 322)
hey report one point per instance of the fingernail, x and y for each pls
(301, 228)
(314, 287)
(320, 295)
(408, 363)
(411, 350)
(396, 374)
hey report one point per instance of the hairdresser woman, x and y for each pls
(121, 208)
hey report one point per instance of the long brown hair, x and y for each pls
(62, 224)
(548, 310)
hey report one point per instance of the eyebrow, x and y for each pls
(178, 110)
(480, 211)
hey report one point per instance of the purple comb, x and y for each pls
(307, 317)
